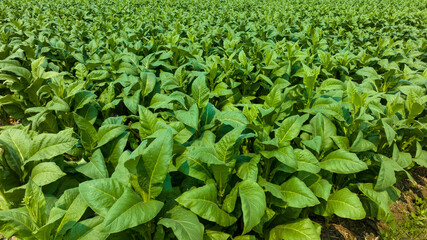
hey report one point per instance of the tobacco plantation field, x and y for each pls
(185, 119)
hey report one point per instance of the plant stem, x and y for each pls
(267, 168)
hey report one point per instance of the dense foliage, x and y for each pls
(210, 119)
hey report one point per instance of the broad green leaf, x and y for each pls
(253, 204)
(101, 194)
(130, 211)
(183, 135)
(221, 89)
(208, 115)
(324, 127)
(18, 71)
(9, 229)
(47, 146)
(97, 75)
(368, 72)
(82, 98)
(235, 119)
(45, 173)
(297, 194)
(121, 173)
(4, 204)
(148, 82)
(272, 188)
(89, 229)
(242, 58)
(89, 112)
(249, 170)
(114, 149)
(74, 206)
(185, 224)
(285, 155)
(206, 155)
(147, 119)
(342, 142)
(341, 161)
(224, 148)
(309, 79)
(161, 101)
(35, 202)
(88, 133)
(331, 84)
(155, 164)
(190, 118)
(216, 235)
(132, 102)
(375, 211)
(275, 97)
(203, 202)
(222, 175)
(229, 203)
(386, 176)
(389, 132)
(420, 156)
(307, 161)
(20, 219)
(57, 104)
(421, 159)
(14, 195)
(95, 168)
(402, 158)
(16, 145)
(112, 121)
(308, 178)
(81, 71)
(302, 229)
(361, 145)
(245, 237)
(379, 197)
(321, 188)
(290, 128)
(315, 143)
(345, 204)
(193, 167)
(108, 132)
(200, 91)
(47, 230)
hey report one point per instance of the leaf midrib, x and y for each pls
(66, 213)
(339, 201)
(102, 175)
(297, 193)
(19, 150)
(21, 222)
(107, 224)
(287, 132)
(200, 164)
(43, 149)
(51, 172)
(154, 170)
(180, 222)
(113, 197)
